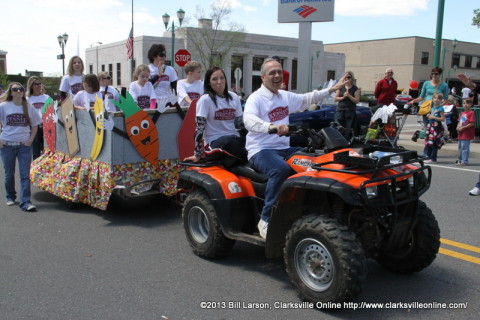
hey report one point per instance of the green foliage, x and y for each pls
(476, 18)
(4, 81)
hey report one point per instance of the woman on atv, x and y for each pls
(219, 116)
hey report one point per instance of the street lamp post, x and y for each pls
(62, 41)
(98, 43)
(166, 20)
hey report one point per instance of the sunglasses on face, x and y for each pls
(37, 84)
(390, 72)
(162, 55)
(435, 73)
(18, 89)
(107, 78)
(348, 77)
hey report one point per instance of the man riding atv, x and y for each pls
(266, 109)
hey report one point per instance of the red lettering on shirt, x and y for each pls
(193, 95)
(225, 114)
(278, 113)
(38, 105)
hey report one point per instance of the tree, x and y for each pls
(476, 18)
(4, 81)
(216, 36)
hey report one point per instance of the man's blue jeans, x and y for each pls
(24, 155)
(272, 163)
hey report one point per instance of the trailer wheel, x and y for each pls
(202, 228)
(324, 260)
(421, 249)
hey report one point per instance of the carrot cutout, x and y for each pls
(141, 130)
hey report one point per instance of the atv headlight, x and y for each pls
(371, 192)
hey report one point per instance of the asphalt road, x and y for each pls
(136, 264)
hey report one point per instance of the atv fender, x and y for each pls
(289, 206)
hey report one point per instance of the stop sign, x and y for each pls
(182, 57)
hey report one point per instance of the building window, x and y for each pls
(478, 62)
(455, 60)
(119, 74)
(257, 63)
(330, 75)
(103, 67)
(468, 61)
(90, 67)
(236, 62)
(293, 75)
(424, 58)
(110, 69)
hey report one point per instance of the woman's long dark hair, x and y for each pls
(207, 88)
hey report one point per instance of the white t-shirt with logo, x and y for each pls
(192, 90)
(142, 95)
(162, 85)
(83, 96)
(220, 117)
(38, 101)
(263, 108)
(15, 127)
(71, 84)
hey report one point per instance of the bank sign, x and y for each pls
(305, 10)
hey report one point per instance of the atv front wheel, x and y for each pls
(202, 228)
(324, 260)
(421, 249)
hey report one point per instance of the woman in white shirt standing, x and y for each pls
(37, 99)
(163, 78)
(219, 117)
(19, 122)
(71, 83)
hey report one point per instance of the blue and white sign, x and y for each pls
(305, 10)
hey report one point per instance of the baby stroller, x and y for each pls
(385, 127)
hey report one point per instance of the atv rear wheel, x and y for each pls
(324, 260)
(422, 248)
(202, 228)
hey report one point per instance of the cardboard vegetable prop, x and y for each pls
(70, 124)
(49, 126)
(98, 140)
(141, 130)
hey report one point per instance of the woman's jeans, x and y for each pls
(463, 150)
(24, 155)
(272, 163)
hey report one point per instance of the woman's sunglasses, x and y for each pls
(18, 89)
(107, 78)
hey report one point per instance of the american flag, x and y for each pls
(130, 45)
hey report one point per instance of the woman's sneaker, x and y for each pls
(29, 208)
(262, 228)
(474, 192)
(10, 203)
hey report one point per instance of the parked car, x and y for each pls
(321, 118)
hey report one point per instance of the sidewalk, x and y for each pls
(450, 149)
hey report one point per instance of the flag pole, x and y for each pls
(132, 62)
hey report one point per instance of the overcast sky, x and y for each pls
(30, 28)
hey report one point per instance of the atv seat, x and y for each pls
(247, 171)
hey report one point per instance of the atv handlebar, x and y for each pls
(291, 129)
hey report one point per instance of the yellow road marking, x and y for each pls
(458, 255)
(460, 245)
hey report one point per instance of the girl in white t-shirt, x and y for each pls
(219, 115)
(163, 78)
(19, 122)
(71, 83)
(89, 95)
(107, 91)
(37, 99)
(141, 89)
(192, 87)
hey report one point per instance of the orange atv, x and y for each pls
(340, 206)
